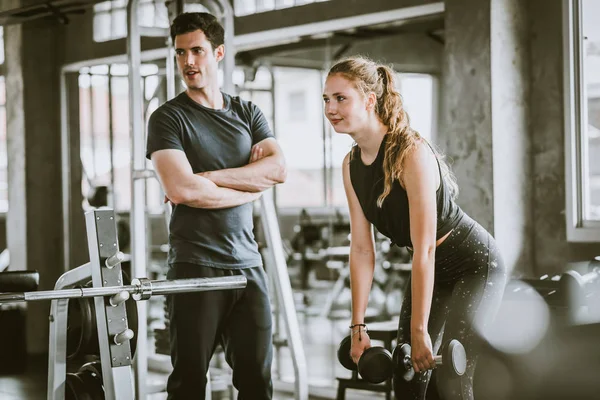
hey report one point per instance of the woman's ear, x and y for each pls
(371, 101)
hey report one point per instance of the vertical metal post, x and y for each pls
(57, 349)
(325, 175)
(92, 127)
(328, 141)
(111, 321)
(170, 70)
(276, 310)
(57, 346)
(179, 6)
(268, 218)
(229, 60)
(138, 163)
(272, 274)
(111, 139)
(65, 160)
(171, 74)
(274, 117)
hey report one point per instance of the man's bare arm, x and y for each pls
(257, 176)
(182, 186)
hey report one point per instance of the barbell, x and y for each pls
(139, 289)
(82, 334)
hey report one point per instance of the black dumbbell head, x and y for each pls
(571, 280)
(94, 368)
(456, 357)
(343, 354)
(401, 360)
(375, 365)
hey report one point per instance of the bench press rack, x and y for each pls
(109, 295)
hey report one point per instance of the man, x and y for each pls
(214, 154)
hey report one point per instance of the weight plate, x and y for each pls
(458, 357)
(375, 365)
(343, 354)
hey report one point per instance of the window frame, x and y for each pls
(579, 229)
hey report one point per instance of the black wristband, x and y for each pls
(359, 330)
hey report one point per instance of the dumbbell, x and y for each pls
(577, 288)
(374, 365)
(453, 359)
(573, 279)
(85, 384)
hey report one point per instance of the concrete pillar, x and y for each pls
(485, 119)
(512, 162)
(552, 251)
(34, 221)
(548, 135)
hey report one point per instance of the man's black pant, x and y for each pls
(239, 320)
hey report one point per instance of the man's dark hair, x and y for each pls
(193, 21)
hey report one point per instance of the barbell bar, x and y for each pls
(140, 289)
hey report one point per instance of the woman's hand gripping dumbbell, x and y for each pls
(453, 359)
(375, 363)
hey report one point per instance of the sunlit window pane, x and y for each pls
(300, 137)
(591, 48)
(417, 96)
(247, 7)
(110, 18)
(3, 152)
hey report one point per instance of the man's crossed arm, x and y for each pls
(266, 169)
(223, 188)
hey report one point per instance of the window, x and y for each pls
(257, 91)
(3, 153)
(110, 18)
(248, 7)
(105, 131)
(297, 105)
(2, 45)
(582, 119)
(417, 92)
(301, 139)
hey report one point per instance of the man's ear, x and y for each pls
(220, 52)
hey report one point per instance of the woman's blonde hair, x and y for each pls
(367, 76)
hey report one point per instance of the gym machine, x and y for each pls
(113, 377)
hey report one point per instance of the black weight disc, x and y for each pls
(81, 328)
(75, 388)
(82, 333)
(343, 354)
(91, 375)
(375, 365)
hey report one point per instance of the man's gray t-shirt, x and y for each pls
(212, 140)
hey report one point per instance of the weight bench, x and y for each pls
(386, 332)
(13, 345)
(19, 281)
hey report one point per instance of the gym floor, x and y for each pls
(320, 339)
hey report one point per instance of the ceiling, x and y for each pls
(36, 9)
(339, 42)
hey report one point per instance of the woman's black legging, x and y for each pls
(470, 278)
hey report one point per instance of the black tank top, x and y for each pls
(392, 219)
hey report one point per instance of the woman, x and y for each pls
(395, 181)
